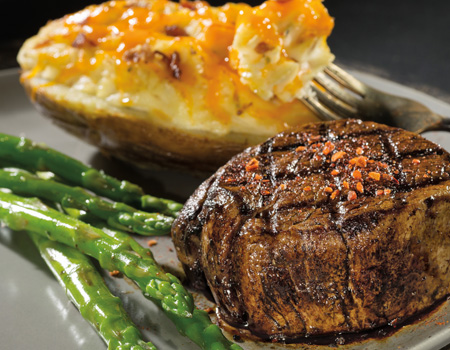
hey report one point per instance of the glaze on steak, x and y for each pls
(331, 227)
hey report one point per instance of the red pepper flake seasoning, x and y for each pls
(152, 242)
(334, 194)
(359, 151)
(242, 188)
(114, 273)
(352, 195)
(230, 179)
(253, 164)
(283, 187)
(396, 172)
(394, 323)
(357, 175)
(300, 149)
(258, 177)
(380, 192)
(328, 189)
(346, 184)
(335, 172)
(383, 165)
(374, 176)
(329, 147)
(387, 191)
(426, 176)
(360, 187)
(265, 192)
(337, 155)
(416, 161)
(307, 188)
(360, 161)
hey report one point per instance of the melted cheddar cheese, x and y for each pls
(233, 68)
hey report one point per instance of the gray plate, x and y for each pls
(35, 312)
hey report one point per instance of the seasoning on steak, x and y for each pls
(331, 227)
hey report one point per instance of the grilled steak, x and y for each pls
(331, 227)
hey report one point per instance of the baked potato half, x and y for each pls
(181, 85)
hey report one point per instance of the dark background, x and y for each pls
(404, 41)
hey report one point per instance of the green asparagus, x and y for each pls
(117, 215)
(113, 253)
(86, 289)
(128, 256)
(23, 153)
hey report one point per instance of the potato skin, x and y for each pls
(151, 145)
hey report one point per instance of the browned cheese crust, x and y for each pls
(331, 227)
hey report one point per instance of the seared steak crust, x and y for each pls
(331, 227)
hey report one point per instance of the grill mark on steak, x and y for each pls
(330, 137)
(325, 136)
(417, 148)
(283, 204)
(394, 153)
(390, 157)
(404, 186)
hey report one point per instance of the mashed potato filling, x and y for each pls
(279, 46)
(228, 69)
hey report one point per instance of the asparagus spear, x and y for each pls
(116, 214)
(23, 153)
(114, 253)
(127, 256)
(86, 289)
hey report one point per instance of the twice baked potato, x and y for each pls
(184, 84)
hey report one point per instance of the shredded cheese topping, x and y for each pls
(244, 59)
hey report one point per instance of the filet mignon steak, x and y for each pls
(330, 227)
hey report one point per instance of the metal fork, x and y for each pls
(337, 95)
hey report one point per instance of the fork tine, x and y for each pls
(337, 90)
(324, 113)
(331, 102)
(345, 79)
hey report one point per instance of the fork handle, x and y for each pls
(442, 125)
(405, 113)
